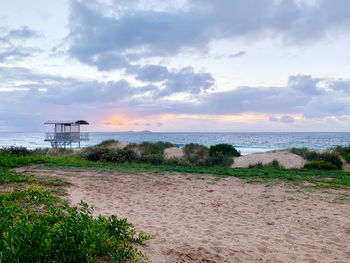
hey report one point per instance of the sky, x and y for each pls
(177, 65)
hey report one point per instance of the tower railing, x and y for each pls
(67, 136)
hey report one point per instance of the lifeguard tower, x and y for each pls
(66, 133)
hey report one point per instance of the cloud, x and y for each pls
(12, 48)
(21, 33)
(238, 54)
(287, 119)
(123, 33)
(27, 93)
(305, 84)
(17, 53)
(183, 80)
(273, 119)
(327, 99)
(114, 123)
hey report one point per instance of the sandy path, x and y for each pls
(201, 220)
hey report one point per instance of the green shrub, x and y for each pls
(40, 151)
(109, 155)
(272, 165)
(320, 165)
(154, 158)
(258, 165)
(196, 154)
(344, 152)
(221, 154)
(224, 149)
(331, 157)
(299, 151)
(16, 150)
(154, 147)
(176, 162)
(106, 143)
(220, 159)
(38, 227)
(347, 158)
(312, 155)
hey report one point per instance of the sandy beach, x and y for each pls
(198, 219)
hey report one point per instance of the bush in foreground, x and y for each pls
(320, 165)
(38, 227)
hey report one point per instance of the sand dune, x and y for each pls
(285, 158)
(118, 145)
(174, 152)
(201, 220)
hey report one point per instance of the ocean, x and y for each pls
(245, 142)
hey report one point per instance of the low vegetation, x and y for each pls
(320, 165)
(311, 156)
(196, 154)
(225, 149)
(37, 226)
(274, 164)
(344, 152)
(153, 153)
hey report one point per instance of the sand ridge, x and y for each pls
(198, 219)
(284, 157)
(174, 152)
